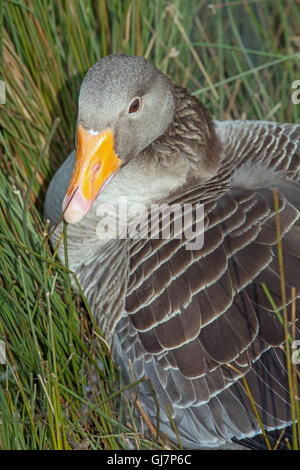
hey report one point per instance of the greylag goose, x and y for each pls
(193, 317)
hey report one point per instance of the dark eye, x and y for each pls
(135, 106)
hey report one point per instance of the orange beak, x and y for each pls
(96, 164)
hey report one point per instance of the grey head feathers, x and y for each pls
(107, 92)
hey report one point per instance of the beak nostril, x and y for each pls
(96, 168)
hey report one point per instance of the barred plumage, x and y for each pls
(197, 321)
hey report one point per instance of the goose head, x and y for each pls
(125, 103)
